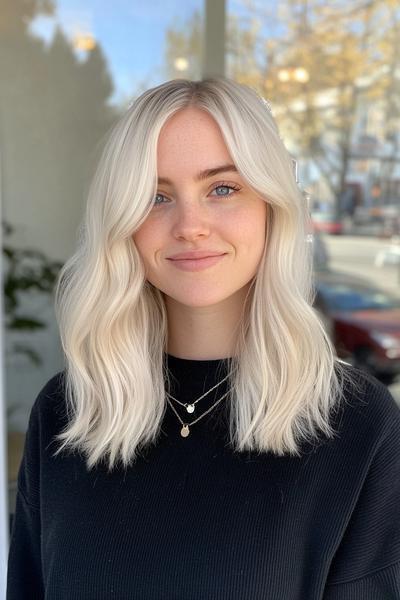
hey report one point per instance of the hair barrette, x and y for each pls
(295, 169)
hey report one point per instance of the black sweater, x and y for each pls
(192, 520)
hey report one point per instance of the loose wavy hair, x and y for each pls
(285, 378)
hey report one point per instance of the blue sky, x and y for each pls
(131, 33)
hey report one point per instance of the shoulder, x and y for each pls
(54, 387)
(367, 404)
(367, 453)
(49, 409)
(46, 420)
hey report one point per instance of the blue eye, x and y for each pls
(222, 190)
(158, 196)
(225, 190)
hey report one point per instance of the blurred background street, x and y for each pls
(357, 255)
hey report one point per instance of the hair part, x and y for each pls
(285, 378)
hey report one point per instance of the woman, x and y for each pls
(203, 441)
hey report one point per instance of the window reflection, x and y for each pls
(68, 69)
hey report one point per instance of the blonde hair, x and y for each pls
(285, 378)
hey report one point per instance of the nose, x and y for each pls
(192, 221)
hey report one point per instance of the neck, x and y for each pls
(206, 332)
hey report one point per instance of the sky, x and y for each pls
(132, 33)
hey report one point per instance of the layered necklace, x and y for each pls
(191, 407)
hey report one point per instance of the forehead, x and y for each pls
(190, 139)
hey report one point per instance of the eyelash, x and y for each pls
(233, 187)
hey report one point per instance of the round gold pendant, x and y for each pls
(185, 431)
(190, 408)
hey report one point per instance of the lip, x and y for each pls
(195, 254)
(197, 264)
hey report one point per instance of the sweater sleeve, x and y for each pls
(381, 585)
(24, 577)
(366, 565)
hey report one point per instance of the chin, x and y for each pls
(199, 300)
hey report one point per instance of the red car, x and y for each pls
(363, 321)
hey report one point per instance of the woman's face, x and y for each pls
(198, 211)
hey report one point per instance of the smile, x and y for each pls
(196, 264)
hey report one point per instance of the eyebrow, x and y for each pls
(206, 174)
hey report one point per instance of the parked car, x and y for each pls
(363, 321)
(326, 222)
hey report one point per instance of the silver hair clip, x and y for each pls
(295, 169)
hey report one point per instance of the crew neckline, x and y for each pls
(188, 380)
(193, 361)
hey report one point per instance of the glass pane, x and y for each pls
(68, 69)
(332, 76)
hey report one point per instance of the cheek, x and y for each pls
(145, 240)
(252, 229)
(148, 240)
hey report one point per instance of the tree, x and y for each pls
(53, 112)
(388, 49)
(318, 63)
(183, 45)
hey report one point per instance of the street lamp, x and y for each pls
(302, 75)
(299, 74)
(84, 42)
(181, 63)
